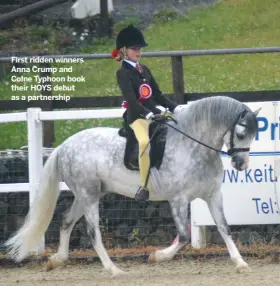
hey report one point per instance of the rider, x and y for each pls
(141, 94)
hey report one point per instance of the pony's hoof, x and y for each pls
(54, 261)
(50, 265)
(244, 268)
(152, 258)
(118, 272)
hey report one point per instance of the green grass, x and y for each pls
(228, 24)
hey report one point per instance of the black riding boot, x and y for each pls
(142, 194)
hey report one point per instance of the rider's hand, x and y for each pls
(159, 118)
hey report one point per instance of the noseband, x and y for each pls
(231, 151)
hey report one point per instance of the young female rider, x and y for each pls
(141, 94)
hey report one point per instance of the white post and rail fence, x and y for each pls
(35, 118)
(251, 197)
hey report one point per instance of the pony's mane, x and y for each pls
(216, 110)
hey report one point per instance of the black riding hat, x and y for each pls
(130, 37)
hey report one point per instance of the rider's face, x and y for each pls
(134, 53)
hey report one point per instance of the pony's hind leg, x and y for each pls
(69, 220)
(215, 204)
(179, 209)
(93, 230)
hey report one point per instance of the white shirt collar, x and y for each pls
(131, 63)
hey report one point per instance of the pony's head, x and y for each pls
(212, 115)
(240, 136)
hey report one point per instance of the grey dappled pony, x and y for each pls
(91, 164)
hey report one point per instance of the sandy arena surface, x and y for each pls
(219, 271)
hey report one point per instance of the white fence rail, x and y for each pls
(253, 198)
(34, 118)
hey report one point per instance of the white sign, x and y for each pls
(84, 8)
(251, 196)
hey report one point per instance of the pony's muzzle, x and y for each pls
(239, 162)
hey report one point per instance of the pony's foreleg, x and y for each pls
(179, 209)
(215, 204)
(92, 218)
(69, 220)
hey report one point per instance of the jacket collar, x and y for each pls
(129, 64)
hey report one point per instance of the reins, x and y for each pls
(230, 151)
(190, 137)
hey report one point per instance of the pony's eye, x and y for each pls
(240, 135)
(240, 131)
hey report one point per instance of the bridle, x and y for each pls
(232, 150)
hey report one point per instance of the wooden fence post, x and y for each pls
(48, 126)
(178, 79)
(104, 18)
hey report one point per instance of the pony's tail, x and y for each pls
(40, 212)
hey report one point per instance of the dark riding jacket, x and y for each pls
(129, 80)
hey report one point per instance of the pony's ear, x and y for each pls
(256, 112)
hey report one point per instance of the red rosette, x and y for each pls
(124, 104)
(115, 53)
(145, 91)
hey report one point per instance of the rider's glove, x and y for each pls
(159, 118)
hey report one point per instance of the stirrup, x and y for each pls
(142, 194)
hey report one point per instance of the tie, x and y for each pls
(139, 68)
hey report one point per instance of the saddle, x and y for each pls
(157, 146)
